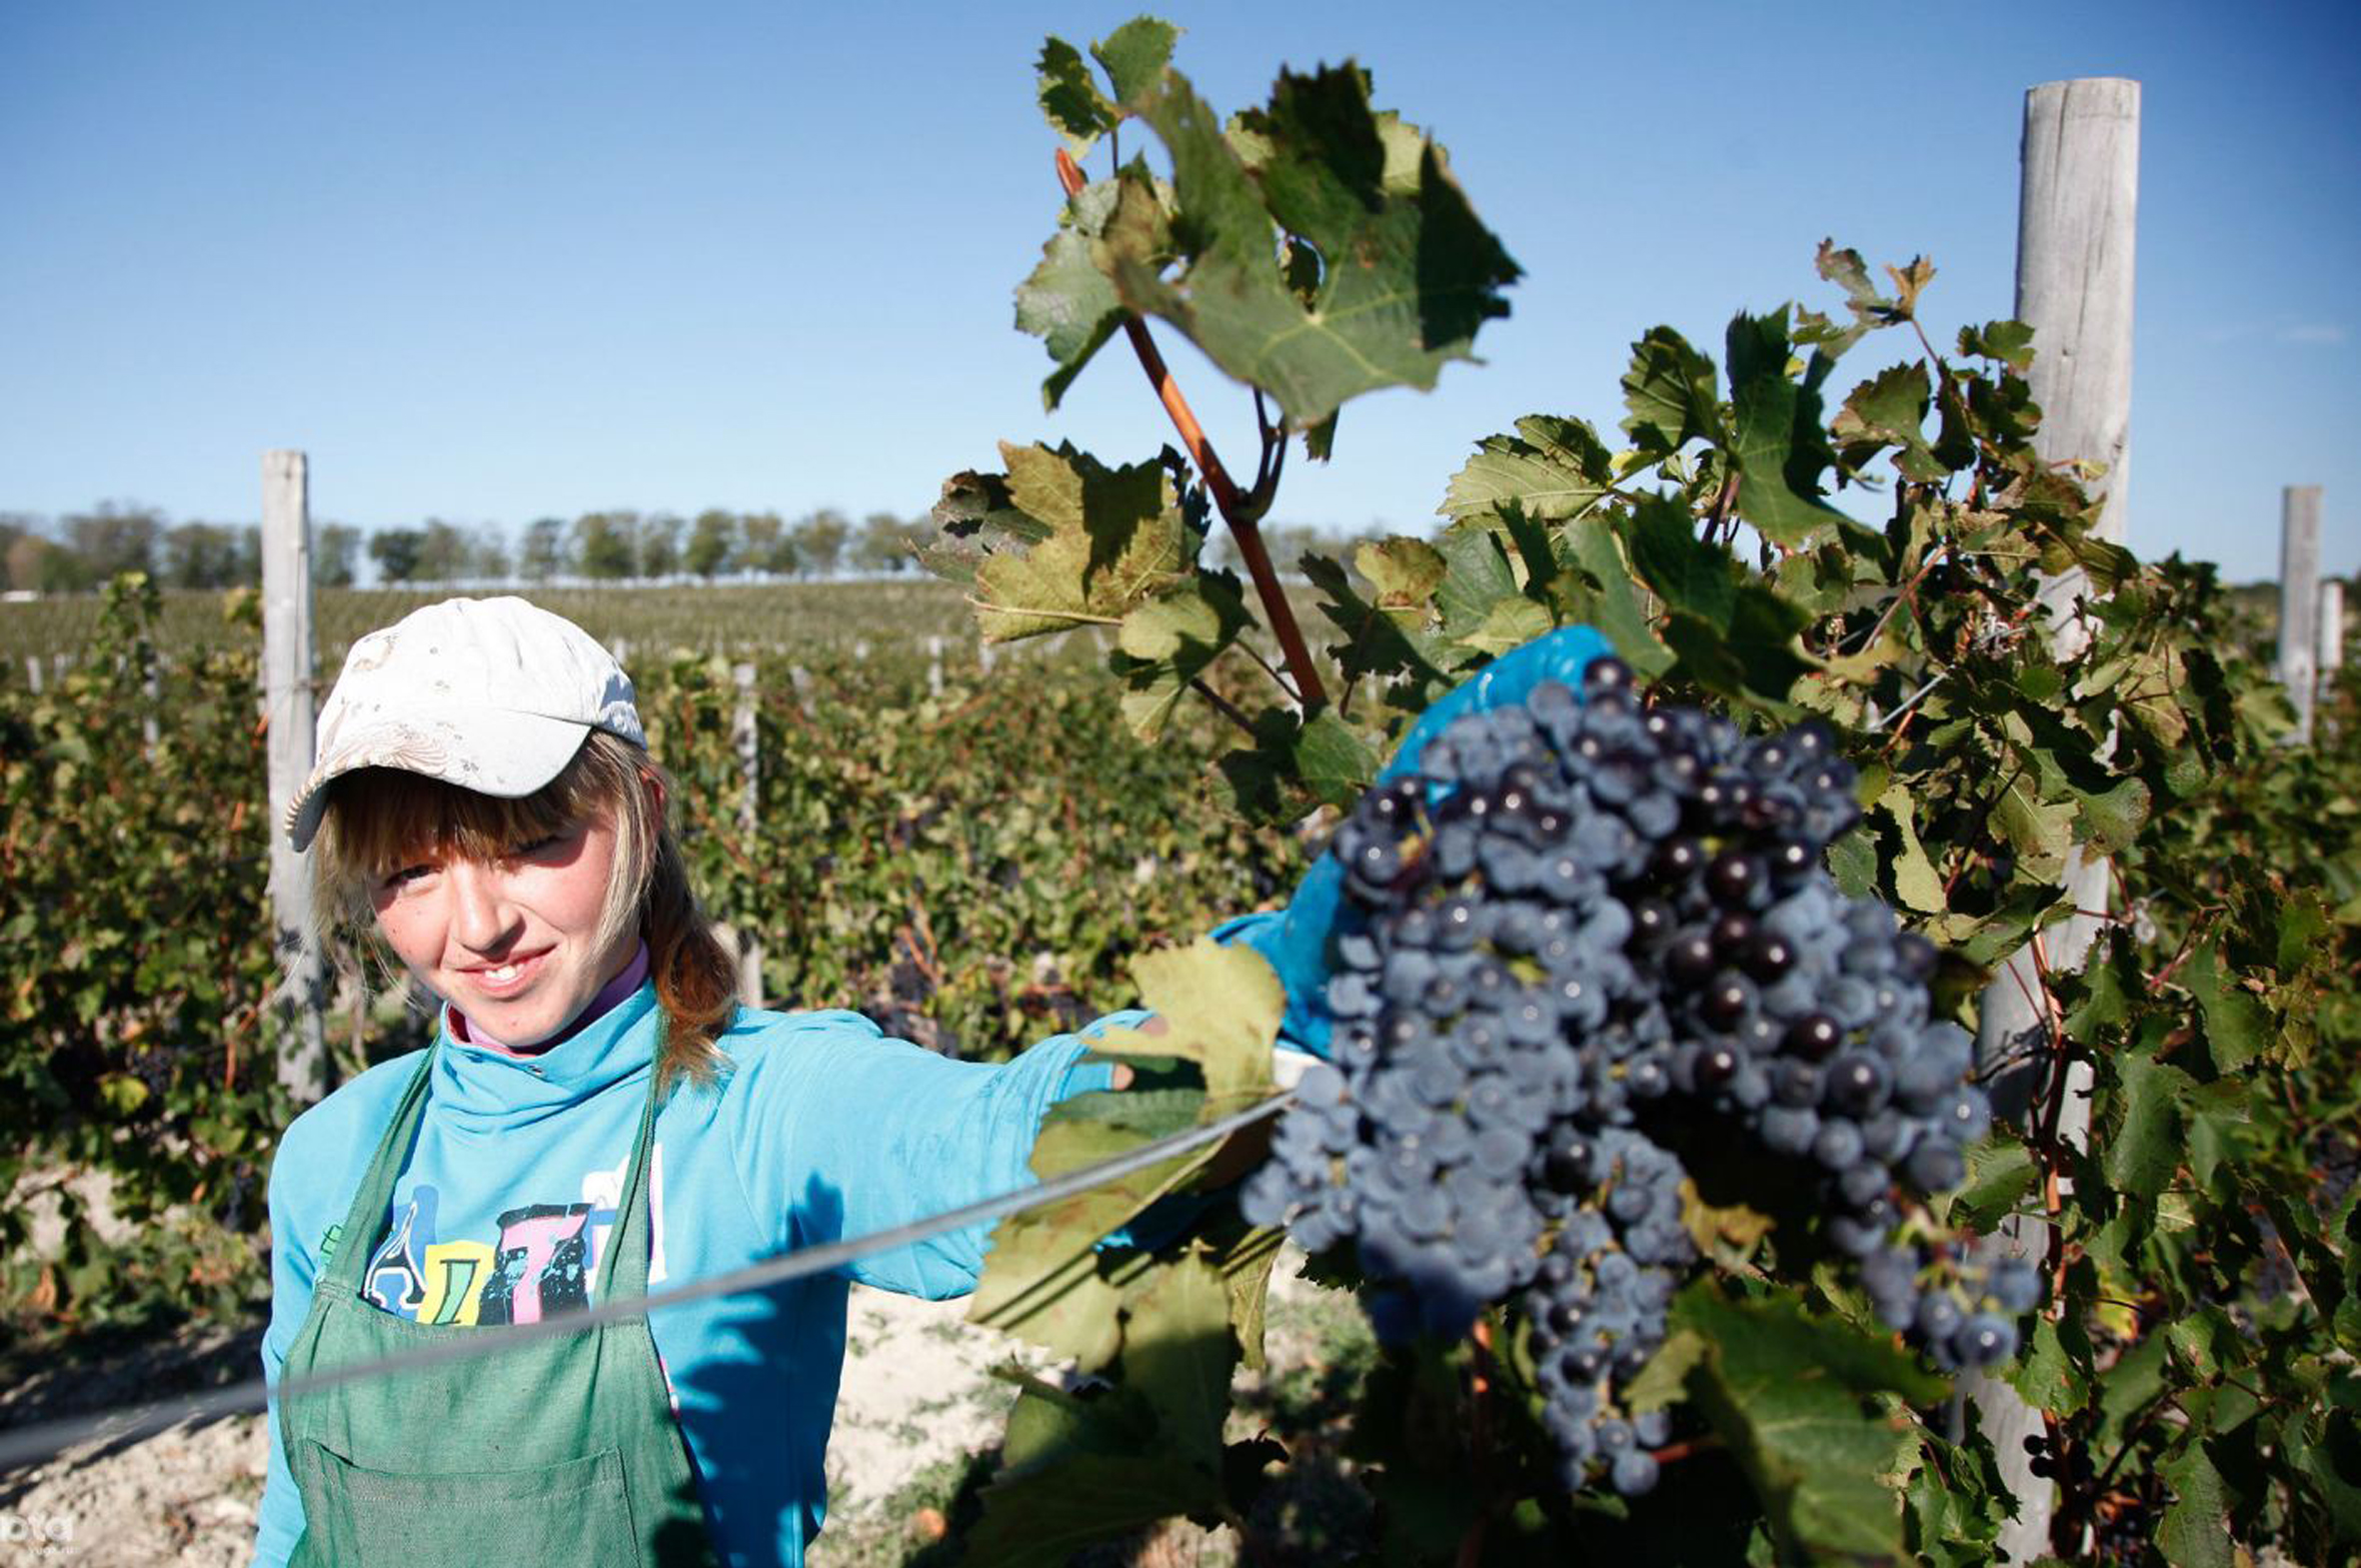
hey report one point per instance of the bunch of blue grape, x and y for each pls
(1579, 918)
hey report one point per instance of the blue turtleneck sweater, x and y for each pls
(823, 1130)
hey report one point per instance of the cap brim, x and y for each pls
(497, 752)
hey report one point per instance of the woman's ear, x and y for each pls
(655, 792)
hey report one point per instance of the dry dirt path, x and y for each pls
(918, 1396)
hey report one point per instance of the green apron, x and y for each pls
(561, 1452)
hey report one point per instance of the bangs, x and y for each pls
(380, 820)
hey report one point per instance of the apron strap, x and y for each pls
(357, 1242)
(624, 1271)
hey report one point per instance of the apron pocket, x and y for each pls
(575, 1513)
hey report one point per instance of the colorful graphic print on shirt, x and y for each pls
(539, 1263)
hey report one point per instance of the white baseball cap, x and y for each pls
(492, 694)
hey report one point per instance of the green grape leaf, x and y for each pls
(2040, 832)
(1068, 301)
(1955, 1504)
(2194, 1532)
(2237, 1028)
(1377, 640)
(1663, 1381)
(1077, 1470)
(122, 1093)
(1070, 101)
(2009, 342)
(1755, 658)
(1135, 54)
(1868, 308)
(1917, 884)
(1177, 1354)
(1245, 1266)
(1889, 410)
(1139, 1116)
(1407, 271)
(1403, 572)
(2050, 1374)
(2000, 1174)
(1295, 763)
(1331, 761)
(1553, 467)
(1668, 395)
(1168, 643)
(1075, 1475)
(1610, 599)
(1692, 576)
(1512, 623)
(1480, 577)
(2145, 1144)
(1802, 1403)
(1852, 860)
(1776, 436)
(1043, 1278)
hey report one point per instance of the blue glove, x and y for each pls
(1296, 939)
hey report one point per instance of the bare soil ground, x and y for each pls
(918, 1419)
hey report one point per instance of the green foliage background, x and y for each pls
(973, 866)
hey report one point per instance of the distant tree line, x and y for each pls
(77, 552)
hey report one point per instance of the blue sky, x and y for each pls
(489, 263)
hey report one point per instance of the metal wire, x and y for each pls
(29, 1444)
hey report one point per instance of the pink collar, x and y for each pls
(633, 975)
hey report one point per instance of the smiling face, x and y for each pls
(518, 942)
(515, 911)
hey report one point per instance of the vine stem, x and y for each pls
(1479, 1383)
(1243, 512)
(1224, 705)
(2053, 1112)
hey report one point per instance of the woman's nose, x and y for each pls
(482, 917)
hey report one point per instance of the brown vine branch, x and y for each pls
(1242, 511)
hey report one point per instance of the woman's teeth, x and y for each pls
(506, 971)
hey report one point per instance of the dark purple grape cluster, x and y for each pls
(1583, 919)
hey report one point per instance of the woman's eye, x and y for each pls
(535, 848)
(407, 875)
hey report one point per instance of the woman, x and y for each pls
(597, 1116)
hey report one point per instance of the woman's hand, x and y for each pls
(1296, 942)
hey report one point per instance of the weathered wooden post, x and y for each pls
(2076, 221)
(287, 674)
(2299, 602)
(2332, 628)
(746, 733)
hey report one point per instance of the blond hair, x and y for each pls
(380, 819)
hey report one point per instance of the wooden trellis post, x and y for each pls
(2332, 628)
(2299, 602)
(288, 668)
(2076, 222)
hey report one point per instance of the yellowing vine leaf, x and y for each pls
(1060, 541)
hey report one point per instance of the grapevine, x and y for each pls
(1658, 1144)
